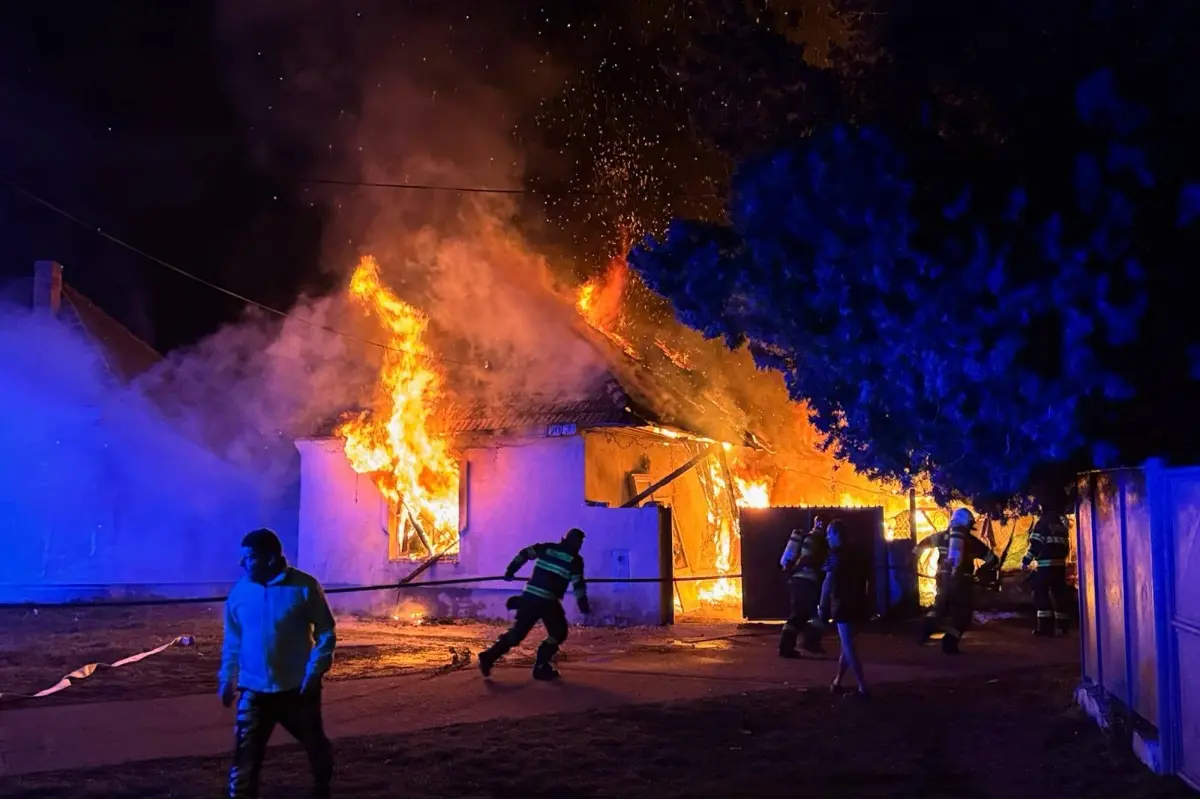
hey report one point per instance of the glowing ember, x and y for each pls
(392, 443)
(678, 358)
(664, 432)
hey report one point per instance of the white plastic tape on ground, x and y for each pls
(87, 669)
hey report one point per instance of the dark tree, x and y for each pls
(975, 345)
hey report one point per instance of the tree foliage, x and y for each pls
(972, 344)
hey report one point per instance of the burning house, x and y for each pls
(447, 488)
(468, 484)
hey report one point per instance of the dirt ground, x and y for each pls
(38, 648)
(1014, 735)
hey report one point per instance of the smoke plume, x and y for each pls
(419, 93)
(103, 489)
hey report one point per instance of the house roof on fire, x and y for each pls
(632, 393)
(125, 355)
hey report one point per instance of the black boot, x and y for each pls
(787, 642)
(812, 640)
(1045, 626)
(950, 644)
(487, 660)
(543, 660)
(1064, 623)
(545, 672)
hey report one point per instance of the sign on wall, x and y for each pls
(620, 569)
(566, 429)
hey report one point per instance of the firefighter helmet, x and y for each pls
(962, 518)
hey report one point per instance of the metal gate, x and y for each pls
(1182, 504)
(1139, 590)
(765, 533)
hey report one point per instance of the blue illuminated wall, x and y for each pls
(99, 494)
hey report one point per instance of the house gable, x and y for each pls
(124, 354)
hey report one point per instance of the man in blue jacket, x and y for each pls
(556, 566)
(279, 641)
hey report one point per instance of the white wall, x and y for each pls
(519, 492)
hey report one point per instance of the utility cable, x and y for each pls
(96, 229)
(381, 587)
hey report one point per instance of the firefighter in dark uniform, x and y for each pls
(1047, 556)
(805, 556)
(977, 550)
(957, 552)
(555, 567)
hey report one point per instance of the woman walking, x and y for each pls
(848, 572)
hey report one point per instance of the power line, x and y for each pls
(216, 287)
(506, 190)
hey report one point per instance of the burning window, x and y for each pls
(408, 539)
(394, 441)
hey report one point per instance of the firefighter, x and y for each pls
(1047, 556)
(555, 566)
(977, 550)
(805, 556)
(957, 551)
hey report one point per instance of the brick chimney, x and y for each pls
(47, 286)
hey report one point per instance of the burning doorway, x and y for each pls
(702, 484)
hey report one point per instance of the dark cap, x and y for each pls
(264, 541)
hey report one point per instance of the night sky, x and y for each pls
(188, 129)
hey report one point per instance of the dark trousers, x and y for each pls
(257, 715)
(1052, 598)
(952, 610)
(530, 611)
(825, 610)
(805, 596)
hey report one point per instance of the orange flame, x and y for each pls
(412, 467)
(752, 494)
(723, 520)
(752, 490)
(600, 300)
(928, 522)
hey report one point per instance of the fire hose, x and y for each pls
(87, 670)
(379, 587)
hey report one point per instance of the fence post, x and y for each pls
(1162, 570)
(666, 567)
